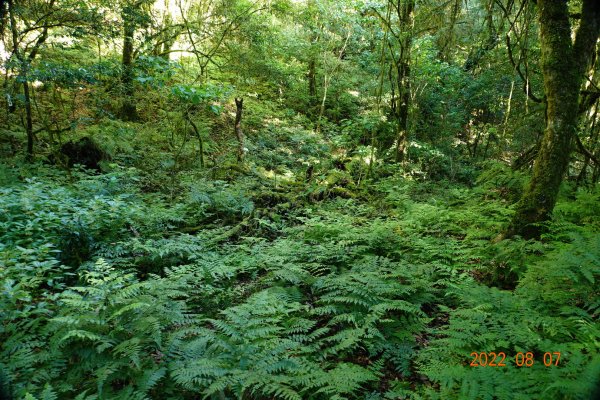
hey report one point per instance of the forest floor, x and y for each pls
(275, 279)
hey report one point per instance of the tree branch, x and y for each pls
(585, 151)
(526, 85)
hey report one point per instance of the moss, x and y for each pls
(561, 86)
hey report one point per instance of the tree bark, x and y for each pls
(446, 41)
(28, 118)
(312, 54)
(24, 63)
(564, 64)
(198, 135)
(404, 99)
(128, 108)
(239, 105)
(312, 82)
(406, 19)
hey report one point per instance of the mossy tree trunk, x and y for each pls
(403, 69)
(564, 65)
(128, 108)
(239, 107)
(405, 11)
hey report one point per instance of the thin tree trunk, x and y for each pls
(379, 91)
(582, 177)
(312, 62)
(312, 82)
(24, 63)
(476, 54)
(199, 136)
(239, 105)
(406, 19)
(596, 174)
(28, 118)
(404, 98)
(327, 79)
(448, 38)
(563, 68)
(128, 109)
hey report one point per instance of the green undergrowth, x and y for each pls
(223, 291)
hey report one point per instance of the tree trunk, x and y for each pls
(24, 63)
(312, 55)
(128, 109)
(596, 174)
(447, 40)
(327, 80)
(312, 82)
(239, 105)
(28, 118)
(563, 67)
(476, 54)
(406, 19)
(198, 135)
(404, 99)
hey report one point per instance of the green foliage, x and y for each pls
(501, 181)
(318, 268)
(154, 71)
(319, 308)
(93, 209)
(343, 299)
(490, 320)
(70, 76)
(585, 210)
(221, 199)
(109, 338)
(553, 309)
(196, 95)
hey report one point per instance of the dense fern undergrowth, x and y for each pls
(253, 283)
